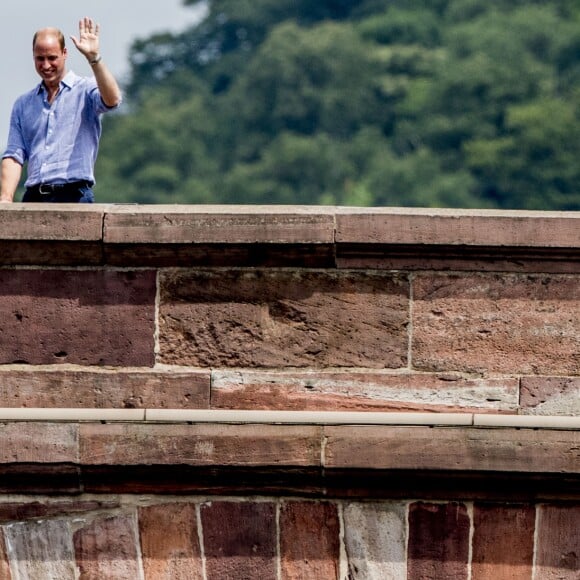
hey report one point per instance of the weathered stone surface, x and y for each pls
(375, 537)
(81, 317)
(38, 443)
(214, 445)
(283, 318)
(550, 396)
(35, 253)
(5, 573)
(32, 510)
(91, 388)
(428, 226)
(452, 448)
(41, 549)
(48, 222)
(496, 323)
(169, 542)
(107, 548)
(239, 540)
(245, 255)
(438, 541)
(558, 544)
(309, 540)
(447, 258)
(218, 224)
(360, 391)
(494, 558)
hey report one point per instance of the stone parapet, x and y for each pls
(135, 340)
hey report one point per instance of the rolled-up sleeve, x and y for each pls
(16, 148)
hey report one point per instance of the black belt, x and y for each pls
(50, 188)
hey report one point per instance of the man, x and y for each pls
(56, 127)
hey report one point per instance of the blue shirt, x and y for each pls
(59, 140)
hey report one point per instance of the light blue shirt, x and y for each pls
(60, 140)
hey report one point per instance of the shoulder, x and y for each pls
(78, 83)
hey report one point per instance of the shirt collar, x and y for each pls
(69, 80)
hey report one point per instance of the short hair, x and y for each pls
(49, 32)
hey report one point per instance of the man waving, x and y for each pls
(56, 127)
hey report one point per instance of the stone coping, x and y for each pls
(235, 224)
(288, 236)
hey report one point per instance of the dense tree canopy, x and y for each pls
(449, 103)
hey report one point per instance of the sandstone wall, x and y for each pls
(456, 334)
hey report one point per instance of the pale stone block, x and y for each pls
(375, 540)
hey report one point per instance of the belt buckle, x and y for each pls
(51, 189)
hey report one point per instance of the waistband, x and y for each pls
(52, 188)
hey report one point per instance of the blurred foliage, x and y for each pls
(440, 103)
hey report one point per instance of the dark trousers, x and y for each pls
(75, 192)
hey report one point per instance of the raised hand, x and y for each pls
(88, 41)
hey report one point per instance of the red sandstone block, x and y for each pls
(283, 318)
(34, 510)
(496, 323)
(493, 557)
(429, 226)
(170, 542)
(309, 540)
(451, 448)
(240, 540)
(82, 317)
(218, 224)
(365, 390)
(122, 388)
(38, 443)
(51, 222)
(558, 543)
(106, 548)
(550, 395)
(214, 445)
(438, 544)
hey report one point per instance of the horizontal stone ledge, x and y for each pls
(364, 460)
(265, 417)
(295, 224)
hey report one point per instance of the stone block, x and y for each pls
(126, 388)
(81, 317)
(438, 545)
(23, 442)
(457, 227)
(309, 540)
(5, 573)
(240, 318)
(36, 510)
(106, 547)
(452, 448)
(170, 542)
(496, 323)
(364, 390)
(558, 542)
(171, 224)
(240, 540)
(41, 549)
(375, 538)
(52, 222)
(494, 558)
(550, 396)
(200, 445)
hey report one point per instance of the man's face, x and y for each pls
(49, 59)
